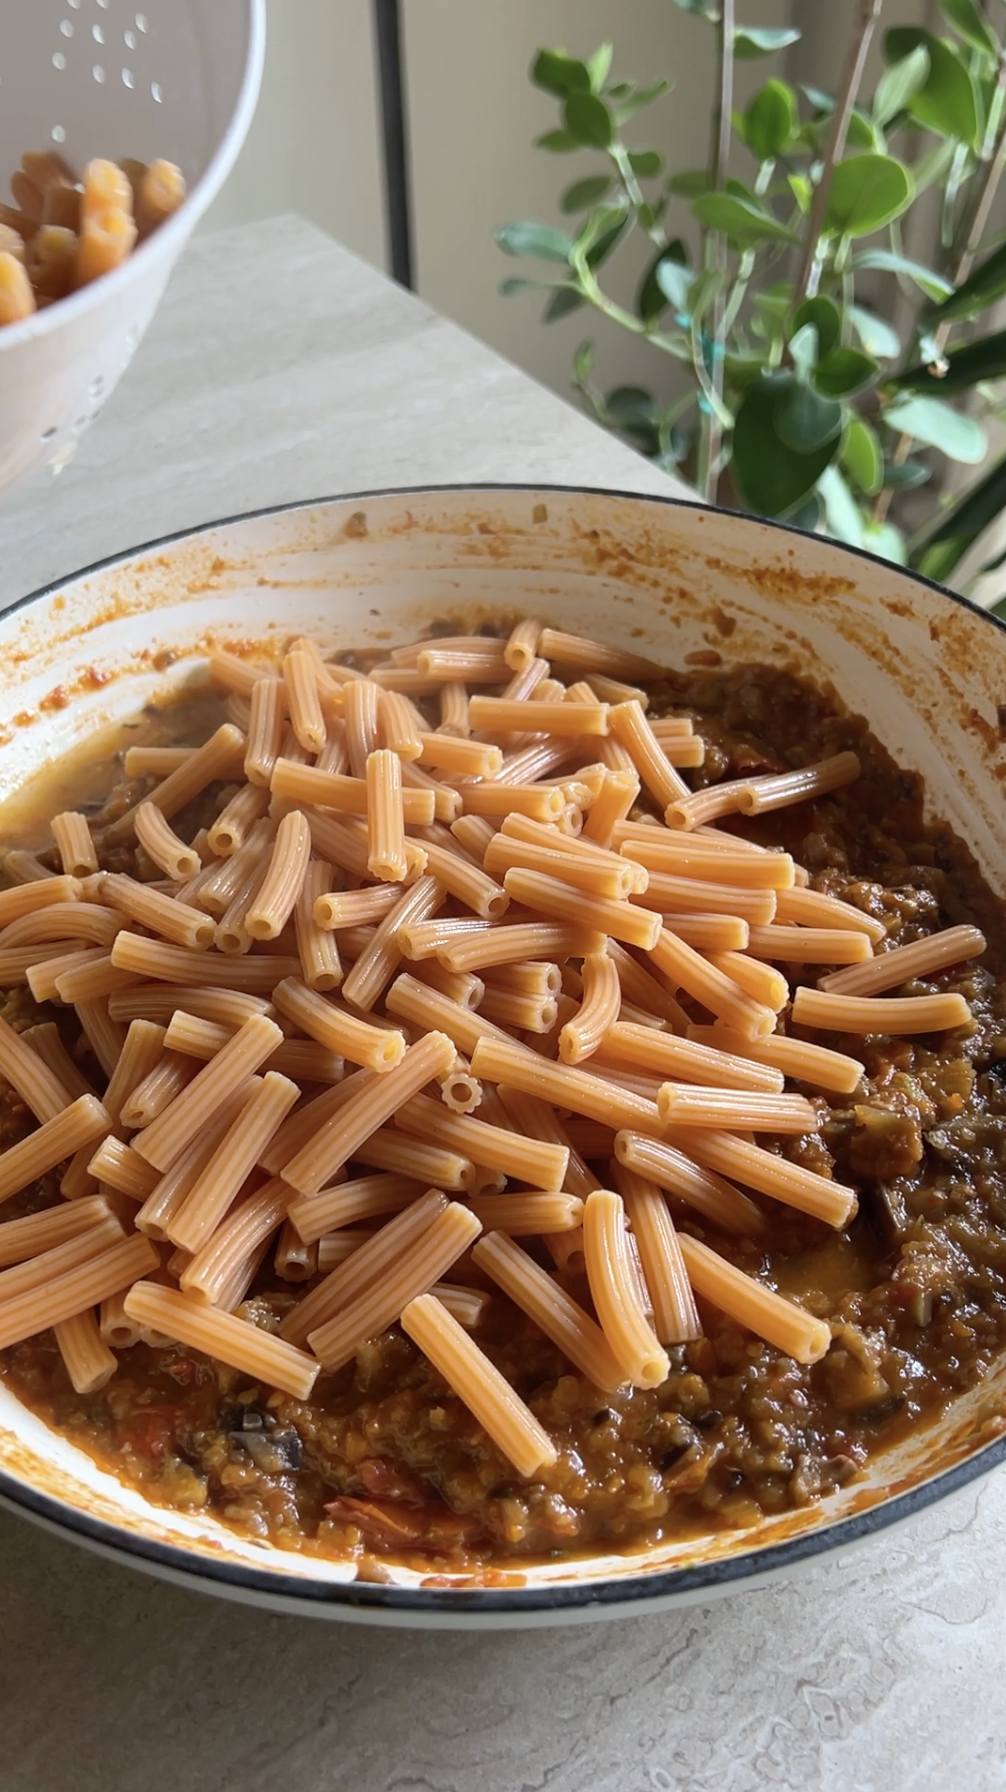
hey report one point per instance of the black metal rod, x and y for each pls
(387, 24)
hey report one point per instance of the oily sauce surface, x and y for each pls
(385, 1461)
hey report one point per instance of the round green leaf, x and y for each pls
(509, 287)
(947, 100)
(585, 193)
(740, 219)
(886, 540)
(862, 132)
(540, 240)
(588, 120)
(558, 143)
(665, 282)
(907, 476)
(560, 74)
(690, 182)
(752, 41)
(802, 191)
(599, 66)
(899, 83)
(803, 350)
(770, 121)
(824, 314)
(807, 515)
(564, 300)
(773, 477)
(931, 421)
(845, 370)
(841, 512)
(805, 421)
(646, 163)
(926, 279)
(637, 98)
(875, 333)
(867, 191)
(632, 408)
(600, 233)
(862, 458)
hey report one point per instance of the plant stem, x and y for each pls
(992, 156)
(711, 434)
(806, 283)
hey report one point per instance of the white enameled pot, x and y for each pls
(665, 578)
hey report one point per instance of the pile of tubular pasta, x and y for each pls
(62, 232)
(426, 964)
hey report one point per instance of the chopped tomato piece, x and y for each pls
(387, 1480)
(395, 1525)
(151, 1429)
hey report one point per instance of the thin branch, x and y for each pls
(711, 434)
(807, 279)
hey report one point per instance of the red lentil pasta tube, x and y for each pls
(796, 1058)
(221, 1335)
(683, 1060)
(303, 702)
(219, 757)
(679, 1174)
(760, 1309)
(39, 1086)
(476, 1381)
(350, 1202)
(809, 908)
(87, 1358)
(76, 1290)
(675, 1319)
(436, 1166)
(162, 845)
(555, 1313)
(920, 959)
(74, 844)
(318, 1160)
(737, 1110)
(616, 1294)
(257, 1121)
(594, 874)
(317, 946)
(790, 1183)
(29, 898)
(274, 903)
(378, 1048)
(165, 1140)
(896, 1016)
(684, 966)
(81, 1123)
(376, 1306)
(542, 1164)
(602, 998)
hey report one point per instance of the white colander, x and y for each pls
(172, 78)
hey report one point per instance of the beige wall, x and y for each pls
(314, 146)
(474, 117)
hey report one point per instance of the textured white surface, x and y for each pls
(880, 1672)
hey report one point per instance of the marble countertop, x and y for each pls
(280, 367)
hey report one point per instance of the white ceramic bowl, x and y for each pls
(171, 78)
(928, 672)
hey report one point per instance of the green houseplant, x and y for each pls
(777, 384)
